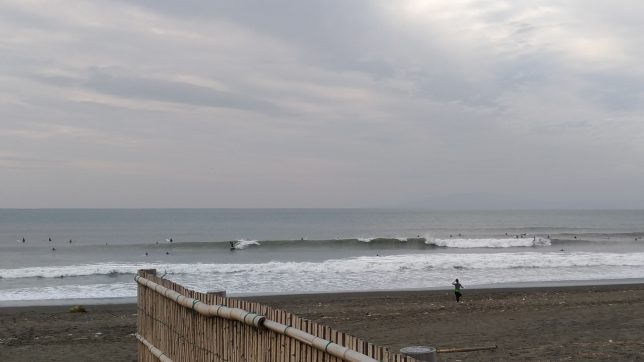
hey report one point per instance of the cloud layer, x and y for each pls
(336, 104)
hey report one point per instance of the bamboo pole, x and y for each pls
(155, 351)
(319, 343)
(202, 308)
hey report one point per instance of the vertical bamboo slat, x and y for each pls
(183, 334)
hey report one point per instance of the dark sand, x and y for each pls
(552, 324)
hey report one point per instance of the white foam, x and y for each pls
(356, 265)
(73, 270)
(243, 243)
(114, 290)
(365, 240)
(489, 242)
(431, 269)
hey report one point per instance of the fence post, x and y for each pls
(148, 271)
(218, 293)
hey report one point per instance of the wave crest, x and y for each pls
(490, 243)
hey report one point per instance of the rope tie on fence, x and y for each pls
(327, 346)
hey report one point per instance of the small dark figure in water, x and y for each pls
(232, 244)
(575, 236)
(457, 290)
(146, 253)
(167, 253)
(50, 240)
(170, 239)
(70, 241)
(53, 249)
(23, 240)
(450, 235)
(506, 234)
(459, 234)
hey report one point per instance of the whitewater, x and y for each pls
(358, 250)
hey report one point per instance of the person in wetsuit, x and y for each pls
(457, 290)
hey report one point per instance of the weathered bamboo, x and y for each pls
(192, 326)
(202, 308)
(155, 351)
(319, 343)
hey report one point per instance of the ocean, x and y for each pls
(51, 255)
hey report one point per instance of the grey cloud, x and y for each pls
(337, 35)
(123, 85)
(618, 91)
(171, 91)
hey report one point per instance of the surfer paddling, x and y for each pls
(457, 290)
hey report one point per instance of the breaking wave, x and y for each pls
(491, 243)
(355, 265)
(410, 271)
(243, 243)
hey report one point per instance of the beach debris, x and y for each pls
(77, 309)
(420, 353)
(466, 349)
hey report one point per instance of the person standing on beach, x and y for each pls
(457, 290)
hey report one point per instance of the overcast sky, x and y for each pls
(336, 103)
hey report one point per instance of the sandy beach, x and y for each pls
(555, 324)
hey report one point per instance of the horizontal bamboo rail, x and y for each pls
(202, 308)
(319, 343)
(155, 351)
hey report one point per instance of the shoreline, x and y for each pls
(483, 287)
(107, 303)
(583, 322)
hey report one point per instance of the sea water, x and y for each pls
(94, 253)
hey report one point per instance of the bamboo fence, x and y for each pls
(178, 324)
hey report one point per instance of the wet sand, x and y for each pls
(550, 324)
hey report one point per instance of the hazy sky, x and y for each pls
(329, 104)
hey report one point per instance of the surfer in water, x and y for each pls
(457, 290)
(232, 245)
